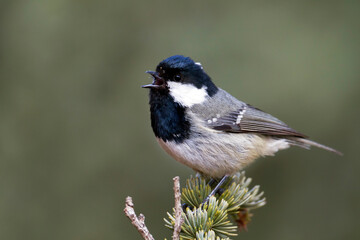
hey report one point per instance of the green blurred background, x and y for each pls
(74, 123)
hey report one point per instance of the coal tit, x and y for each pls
(207, 129)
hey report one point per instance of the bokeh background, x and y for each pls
(75, 135)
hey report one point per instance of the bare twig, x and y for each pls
(178, 210)
(138, 222)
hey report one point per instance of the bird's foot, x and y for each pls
(217, 188)
(184, 206)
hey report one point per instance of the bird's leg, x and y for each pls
(211, 182)
(217, 187)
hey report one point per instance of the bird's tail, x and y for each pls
(306, 143)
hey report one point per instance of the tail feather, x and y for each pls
(306, 143)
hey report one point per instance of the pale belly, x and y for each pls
(222, 154)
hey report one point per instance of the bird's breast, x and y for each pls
(215, 154)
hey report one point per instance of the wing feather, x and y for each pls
(249, 119)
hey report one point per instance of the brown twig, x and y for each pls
(138, 222)
(178, 210)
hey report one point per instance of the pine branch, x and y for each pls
(218, 219)
(213, 220)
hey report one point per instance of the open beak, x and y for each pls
(158, 81)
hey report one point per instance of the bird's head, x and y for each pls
(182, 78)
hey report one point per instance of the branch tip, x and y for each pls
(178, 210)
(138, 222)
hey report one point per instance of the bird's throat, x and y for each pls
(168, 119)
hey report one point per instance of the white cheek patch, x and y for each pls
(187, 95)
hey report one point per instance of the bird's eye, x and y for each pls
(177, 77)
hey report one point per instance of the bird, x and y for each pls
(207, 129)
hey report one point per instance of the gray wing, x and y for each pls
(248, 119)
